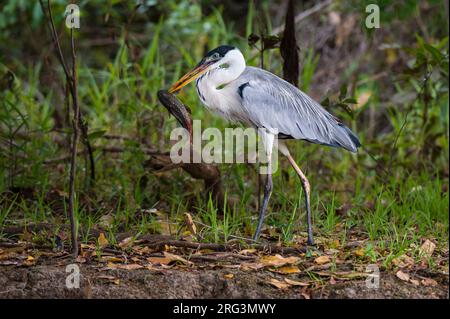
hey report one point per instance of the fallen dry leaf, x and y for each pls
(336, 243)
(228, 276)
(251, 266)
(8, 255)
(403, 261)
(277, 260)
(360, 252)
(141, 250)
(278, 284)
(322, 260)
(80, 260)
(124, 244)
(102, 241)
(124, 266)
(427, 249)
(167, 259)
(415, 282)
(286, 270)
(296, 283)
(87, 246)
(8, 262)
(428, 282)
(130, 266)
(350, 274)
(247, 251)
(106, 277)
(30, 261)
(306, 295)
(112, 259)
(177, 258)
(190, 223)
(159, 260)
(402, 276)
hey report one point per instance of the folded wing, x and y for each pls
(275, 104)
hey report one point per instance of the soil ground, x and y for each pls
(49, 281)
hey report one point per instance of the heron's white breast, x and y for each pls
(224, 101)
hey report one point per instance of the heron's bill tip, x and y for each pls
(189, 77)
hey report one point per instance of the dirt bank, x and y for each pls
(49, 281)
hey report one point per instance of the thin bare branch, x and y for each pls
(70, 80)
(305, 14)
(75, 138)
(49, 17)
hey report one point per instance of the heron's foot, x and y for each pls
(310, 240)
(256, 235)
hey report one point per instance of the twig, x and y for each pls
(160, 245)
(71, 79)
(84, 133)
(219, 256)
(73, 161)
(56, 40)
(157, 242)
(305, 14)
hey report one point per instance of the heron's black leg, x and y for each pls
(307, 190)
(262, 211)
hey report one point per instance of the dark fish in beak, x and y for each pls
(181, 112)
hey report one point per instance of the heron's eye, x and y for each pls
(215, 56)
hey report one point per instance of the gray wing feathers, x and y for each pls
(275, 104)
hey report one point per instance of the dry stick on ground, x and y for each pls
(157, 242)
(72, 82)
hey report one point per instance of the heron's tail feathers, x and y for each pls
(345, 138)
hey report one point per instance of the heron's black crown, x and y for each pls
(222, 50)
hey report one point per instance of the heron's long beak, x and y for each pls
(196, 72)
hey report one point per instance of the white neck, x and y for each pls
(222, 76)
(210, 86)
